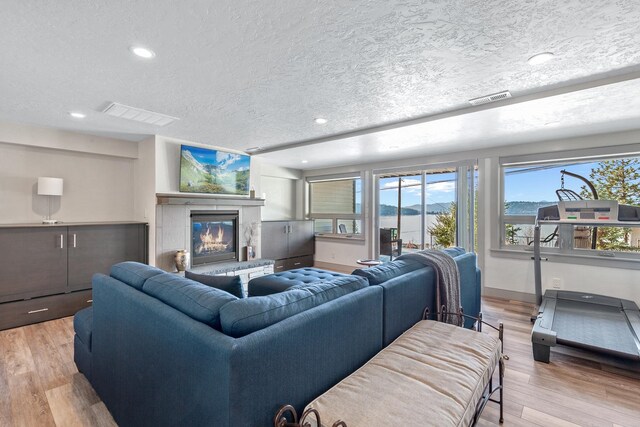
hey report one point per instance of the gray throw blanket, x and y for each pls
(447, 280)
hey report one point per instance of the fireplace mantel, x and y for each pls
(205, 199)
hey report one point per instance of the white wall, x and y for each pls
(145, 190)
(282, 187)
(501, 275)
(98, 177)
(37, 136)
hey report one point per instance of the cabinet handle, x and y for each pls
(285, 229)
(89, 301)
(297, 263)
(289, 228)
(37, 311)
(280, 266)
(61, 241)
(74, 240)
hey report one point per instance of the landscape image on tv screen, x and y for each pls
(203, 170)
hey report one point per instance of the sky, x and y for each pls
(539, 183)
(441, 188)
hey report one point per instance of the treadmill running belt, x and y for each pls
(594, 326)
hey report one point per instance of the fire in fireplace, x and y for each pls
(214, 236)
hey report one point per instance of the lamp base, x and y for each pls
(50, 221)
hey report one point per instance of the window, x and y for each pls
(529, 186)
(429, 207)
(335, 204)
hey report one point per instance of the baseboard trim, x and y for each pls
(340, 268)
(509, 295)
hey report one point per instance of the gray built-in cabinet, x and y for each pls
(290, 243)
(46, 269)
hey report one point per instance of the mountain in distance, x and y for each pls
(525, 208)
(512, 208)
(434, 208)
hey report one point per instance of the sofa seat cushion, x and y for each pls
(198, 301)
(242, 317)
(83, 325)
(274, 283)
(231, 284)
(134, 273)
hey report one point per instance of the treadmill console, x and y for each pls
(588, 210)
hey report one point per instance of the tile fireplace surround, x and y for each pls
(173, 222)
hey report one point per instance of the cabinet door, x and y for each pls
(274, 239)
(34, 262)
(301, 238)
(95, 248)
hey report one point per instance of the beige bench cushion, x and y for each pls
(432, 375)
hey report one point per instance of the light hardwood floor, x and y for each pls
(40, 386)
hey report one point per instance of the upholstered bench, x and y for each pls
(435, 374)
(278, 282)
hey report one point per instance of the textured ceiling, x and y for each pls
(245, 73)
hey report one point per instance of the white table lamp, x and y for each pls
(49, 187)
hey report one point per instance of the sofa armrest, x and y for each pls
(153, 365)
(469, 286)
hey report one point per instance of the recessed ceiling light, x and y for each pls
(540, 58)
(77, 115)
(305, 161)
(320, 120)
(142, 52)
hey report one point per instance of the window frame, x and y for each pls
(335, 217)
(465, 184)
(566, 253)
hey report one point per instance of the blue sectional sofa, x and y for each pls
(163, 350)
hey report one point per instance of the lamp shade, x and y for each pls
(49, 186)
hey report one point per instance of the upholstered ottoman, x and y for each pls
(274, 283)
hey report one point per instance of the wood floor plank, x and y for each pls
(16, 352)
(71, 404)
(545, 419)
(49, 363)
(29, 406)
(5, 395)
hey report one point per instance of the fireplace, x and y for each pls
(214, 236)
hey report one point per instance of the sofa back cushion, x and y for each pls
(198, 301)
(393, 269)
(454, 251)
(231, 284)
(388, 270)
(134, 273)
(242, 317)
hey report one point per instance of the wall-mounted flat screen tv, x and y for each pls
(203, 170)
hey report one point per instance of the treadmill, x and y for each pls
(602, 324)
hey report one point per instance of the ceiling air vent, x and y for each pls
(139, 115)
(490, 98)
